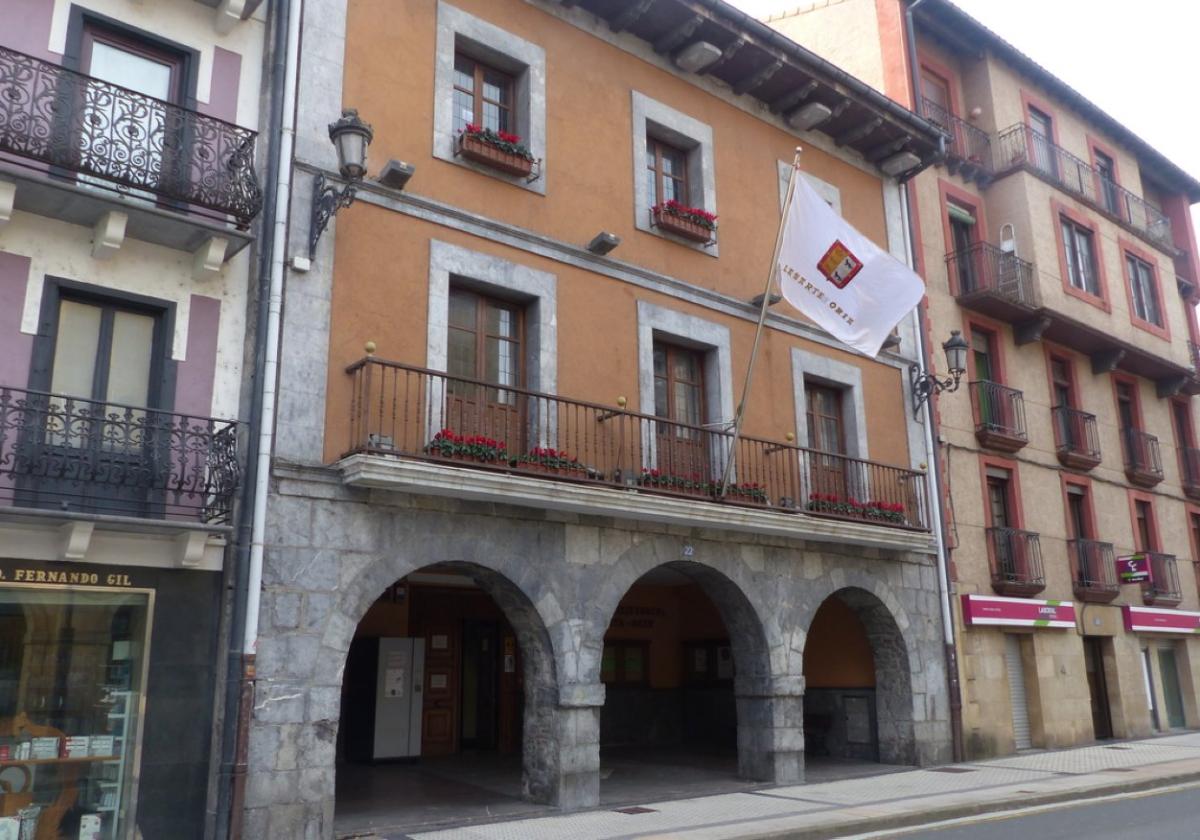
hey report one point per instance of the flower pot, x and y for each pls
(681, 227)
(475, 149)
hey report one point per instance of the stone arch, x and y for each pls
(894, 652)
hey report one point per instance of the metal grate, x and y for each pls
(635, 810)
(951, 769)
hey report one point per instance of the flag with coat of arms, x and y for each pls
(838, 278)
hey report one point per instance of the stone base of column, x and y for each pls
(770, 712)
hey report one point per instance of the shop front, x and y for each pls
(107, 677)
(1166, 639)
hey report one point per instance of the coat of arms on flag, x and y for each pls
(839, 265)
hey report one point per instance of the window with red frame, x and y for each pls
(1080, 253)
(1143, 526)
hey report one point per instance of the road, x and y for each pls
(1141, 816)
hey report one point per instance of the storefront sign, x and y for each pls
(1151, 620)
(1134, 568)
(1017, 612)
(103, 576)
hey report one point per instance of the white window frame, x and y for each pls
(654, 119)
(459, 31)
(827, 191)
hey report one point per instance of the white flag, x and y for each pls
(840, 279)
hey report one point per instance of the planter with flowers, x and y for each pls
(688, 485)
(692, 223)
(497, 149)
(479, 448)
(547, 460)
(890, 512)
(746, 493)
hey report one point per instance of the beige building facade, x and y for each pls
(1061, 246)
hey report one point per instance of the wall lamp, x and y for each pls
(603, 242)
(925, 385)
(350, 137)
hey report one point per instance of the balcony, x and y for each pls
(968, 149)
(77, 456)
(1191, 471)
(994, 282)
(78, 147)
(1163, 588)
(1076, 438)
(1093, 571)
(1143, 459)
(1019, 148)
(999, 416)
(1015, 557)
(409, 414)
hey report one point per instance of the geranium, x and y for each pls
(850, 506)
(549, 458)
(449, 444)
(502, 140)
(696, 215)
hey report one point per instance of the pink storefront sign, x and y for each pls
(1151, 620)
(984, 610)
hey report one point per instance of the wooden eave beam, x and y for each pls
(795, 97)
(675, 37)
(630, 16)
(731, 49)
(858, 132)
(887, 149)
(759, 78)
(1106, 361)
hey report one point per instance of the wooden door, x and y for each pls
(826, 433)
(440, 708)
(485, 345)
(1093, 650)
(682, 450)
(1008, 550)
(937, 96)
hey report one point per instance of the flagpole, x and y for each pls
(762, 319)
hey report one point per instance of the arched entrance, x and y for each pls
(858, 687)
(684, 656)
(448, 704)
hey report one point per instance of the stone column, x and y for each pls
(770, 716)
(578, 783)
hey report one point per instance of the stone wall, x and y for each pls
(559, 578)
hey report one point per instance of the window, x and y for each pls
(983, 356)
(999, 498)
(124, 59)
(482, 96)
(104, 352)
(1108, 180)
(1143, 526)
(1080, 253)
(962, 237)
(625, 662)
(826, 428)
(679, 385)
(484, 343)
(667, 170)
(1042, 139)
(1078, 521)
(707, 662)
(1143, 290)
(937, 97)
(1062, 401)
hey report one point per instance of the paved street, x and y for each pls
(1145, 816)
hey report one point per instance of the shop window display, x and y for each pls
(72, 671)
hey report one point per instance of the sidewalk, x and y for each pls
(893, 800)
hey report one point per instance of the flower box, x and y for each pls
(498, 150)
(687, 485)
(681, 226)
(477, 448)
(551, 461)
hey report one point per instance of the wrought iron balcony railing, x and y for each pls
(967, 145)
(72, 454)
(1019, 146)
(1015, 557)
(1163, 589)
(1194, 354)
(406, 411)
(125, 141)
(1076, 437)
(1093, 571)
(1190, 458)
(999, 415)
(984, 270)
(1143, 458)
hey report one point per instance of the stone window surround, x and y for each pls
(827, 191)
(536, 289)
(848, 378)
(653, 118)
(686, 330)
(459, 31)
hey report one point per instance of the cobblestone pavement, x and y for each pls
(894, 800)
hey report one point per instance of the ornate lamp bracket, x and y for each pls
(327, 200)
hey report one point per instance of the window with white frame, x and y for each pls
(1144, 290)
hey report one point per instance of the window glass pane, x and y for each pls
(128, 69)
(496, 87)
(687, 403)
(660, 362)
(464, 110)
(129, 362)
(71, 667)
(462, 309)
(502, 365)
(491, 117)
(685, 366)
(661, 408)
(75, 349)
(460, 354)
(500, 321)
(635, 664)
(464, 73)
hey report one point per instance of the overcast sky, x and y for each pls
(1139, 61)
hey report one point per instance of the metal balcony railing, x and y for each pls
(411, 412)
(1076, 437)
(1163, 589)
(983, 269)
(1143, 458)
(73, 454)
(999, 414)
(1093, 570)
(125, 141)
(1019, 146)
(1015, 557)
(1190, 458)
(966, 142)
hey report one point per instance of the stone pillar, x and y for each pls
(578, 783)
(770, 717)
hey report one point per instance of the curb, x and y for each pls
(950, 812)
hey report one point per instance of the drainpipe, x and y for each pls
(935, 471)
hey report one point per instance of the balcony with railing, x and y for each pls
(71, 139)
(999, 415)
(1018, 147)
(1093, 571)
(1076, 437)
(1162, 590)
(1190, 464)
(968, 149)
(416, 415)
(1143, 458)
(1015, 557)
(74, 455)
(995, 282)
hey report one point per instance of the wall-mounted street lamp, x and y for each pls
(925, 385)
(350, 137)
